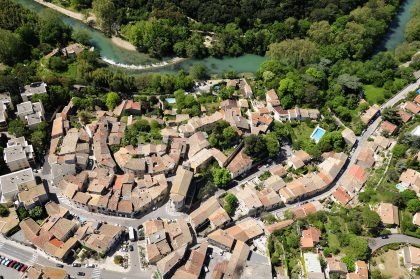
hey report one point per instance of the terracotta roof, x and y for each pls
(222, 237)
(388, 127)
(341, 195)
(388, 213)
(245, 230)
(412, 107)
(310, 237)
(405, 117)
(278, 226)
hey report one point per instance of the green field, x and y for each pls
(373, 94)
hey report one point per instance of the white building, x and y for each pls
(18, 154)
(12, 183)
(31, 113)
(32, 89)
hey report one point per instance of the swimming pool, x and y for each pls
(170, 100)
(317, 134)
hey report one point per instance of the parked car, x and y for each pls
(18, 266)
(131, 248)
(11, 263)
(59, 265)
(77, 264)
(23, 268)
(80, 273)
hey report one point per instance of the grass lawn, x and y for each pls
(302, 131)
(389, 265)
(373, 94)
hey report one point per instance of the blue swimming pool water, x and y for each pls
(170, 100)
(317, 134)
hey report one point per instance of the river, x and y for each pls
(395, 34)
(141, 62)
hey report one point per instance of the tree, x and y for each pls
(81, 36)
(53, 30)
(12, 48)
(4, 211)
(350, 82)
(407, 195)
(332, 141)
(37, 212)
(272, 143)
(294, 52)
(230, 203)
(221, 176)
(105, 14)
(17, 128)
(370, 218)
(118, 259)
(255, 146)
(198, 71)
(22, 213)
(391, 115)
(112, 100)
(399, 151)
(349, 262)
(412, 29)
(57, 64)
(413, 205)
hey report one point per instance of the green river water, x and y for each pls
(135, 62)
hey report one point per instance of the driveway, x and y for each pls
(376, 243)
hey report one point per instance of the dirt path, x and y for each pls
(62, 10)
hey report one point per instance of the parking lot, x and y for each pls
(9, 273)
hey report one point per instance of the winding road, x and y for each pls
(376, 243)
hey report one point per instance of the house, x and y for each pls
(14, 182)
(312, 266)
(411, 256)
(340, 195)
(389, 214)
(129, 164)
(388, 127)
(365, 158)
(353, 180)
(335, 266)
(272, 99)
(249, 202)
(277, 226)
(349, 136)
(32, 89)
(18, 154)
(72, 50)
(210, 212)
(405, 117)
(299, 159)
(411, 179)
(31, 113)
(246, 230)
(370, 114)
(411, 107)
(194, 265)
(361, 271)
(5, 106)
(310, 237)
(221, 239)
(106, 238)
(240, 164)
(180, 188)
(237, 261)
(33, 196)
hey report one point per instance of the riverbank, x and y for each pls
(123, 43)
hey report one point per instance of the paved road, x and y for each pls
(376, 243)
(31, 256)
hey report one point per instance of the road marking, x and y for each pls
(96, 273)
(33, 260)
